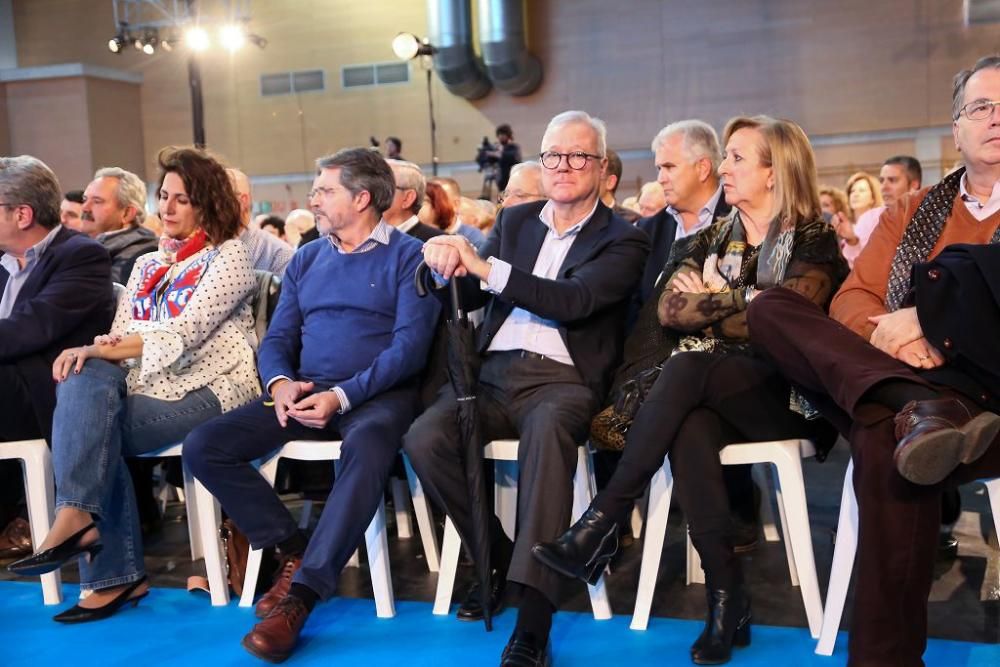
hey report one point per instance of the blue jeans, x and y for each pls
(96, 424)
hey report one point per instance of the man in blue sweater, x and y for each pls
(339, 362)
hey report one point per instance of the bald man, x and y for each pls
(268, 252)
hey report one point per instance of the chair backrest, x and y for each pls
(265, 300)
(119, 292)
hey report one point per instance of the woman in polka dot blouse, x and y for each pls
(180, 351)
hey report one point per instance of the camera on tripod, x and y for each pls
(487, 155)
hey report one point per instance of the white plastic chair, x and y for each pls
(845, 549)
(376, 541)
(204, 516)
(39, 489)
(504, 455)
(786, 456)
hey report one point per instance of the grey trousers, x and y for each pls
(545, 405)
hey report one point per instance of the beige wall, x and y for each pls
(115, 125)
(4, 125)
(851, 66)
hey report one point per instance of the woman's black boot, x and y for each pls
(583, 551)
(727, 625)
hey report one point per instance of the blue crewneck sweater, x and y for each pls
(350, 320)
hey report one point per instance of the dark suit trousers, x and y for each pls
(18, 422)
(548, 408)
(220, 454)
(898, 524)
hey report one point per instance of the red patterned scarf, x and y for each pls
(173, 251)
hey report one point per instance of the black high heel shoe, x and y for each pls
(46, 561)
(78, 614)
(583, 551)
(727, 625)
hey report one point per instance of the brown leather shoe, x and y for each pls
(273, 639)
(936, 436)
(15, 540)
(279, 589)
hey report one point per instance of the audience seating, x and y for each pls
(376, 541)
(39, 489)
(846, 547)
(505, 452)
(786, 457)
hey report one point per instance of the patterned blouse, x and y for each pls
(197, 328)
(815, 270)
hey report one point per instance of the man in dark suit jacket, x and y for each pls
(555, 281)
(410, 189)
(55, 292)
(687, 158)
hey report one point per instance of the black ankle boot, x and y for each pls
(727, 625)
(583, 551)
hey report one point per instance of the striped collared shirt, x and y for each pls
(379, 235)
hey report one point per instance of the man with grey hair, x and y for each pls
(555, 278)
(300, 227)
(267, 252)
(114, 208)
(687, 156)
(339, 362)
(525, 184)
(406, 202)
(906, 365)
(55, 293)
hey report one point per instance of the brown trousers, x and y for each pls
(898, 520)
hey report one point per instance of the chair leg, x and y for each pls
(401, 505)
(377, 546)
(659, 492)
(268, 470)
(449, 566)
(209, 518)
(762, 478)
(639, 512)
(790, 481)
(583, 494)
(195, 530)
(843, 563)
(39, 486)
(793, 571)
(425, 519)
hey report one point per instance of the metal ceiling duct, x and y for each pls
(504, 45)
(455, 61)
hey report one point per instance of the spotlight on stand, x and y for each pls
(408, 46)
(116, 44)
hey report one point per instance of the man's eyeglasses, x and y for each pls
(326, 192)
(517, 195)
(978, 110)
(576, 160)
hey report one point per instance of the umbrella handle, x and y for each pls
(423, 280)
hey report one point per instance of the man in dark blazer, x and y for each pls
(55, 292)
(555, 278)
(410, 189)
(687, 157)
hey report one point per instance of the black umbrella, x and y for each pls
(463, 372)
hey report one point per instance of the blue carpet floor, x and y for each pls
(173, 627)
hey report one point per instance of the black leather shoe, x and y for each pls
(46, 561)
(524, 650)
(947, 546)
(78, 614)
(471, 608)
(727, 625)
(583, 551)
